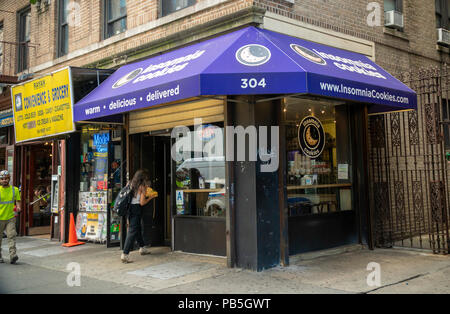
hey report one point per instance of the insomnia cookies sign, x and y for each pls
(311, 137)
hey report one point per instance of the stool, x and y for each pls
(321, 206)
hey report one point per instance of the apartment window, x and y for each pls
(170, 6)
(393, 5)
(1, 48)
(24, 39)
(63, 28)
(115, 17)
(442, 13)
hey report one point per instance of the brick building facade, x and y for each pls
(148, 33)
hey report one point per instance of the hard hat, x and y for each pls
(4, 174)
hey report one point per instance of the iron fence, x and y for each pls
(408, 170)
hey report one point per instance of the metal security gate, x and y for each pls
(408, 170)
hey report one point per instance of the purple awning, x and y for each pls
(244, 62)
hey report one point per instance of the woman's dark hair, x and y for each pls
(139, 178)
(41, 190)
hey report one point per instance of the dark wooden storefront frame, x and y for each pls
(263, 245)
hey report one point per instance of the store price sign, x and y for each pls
(43, 107)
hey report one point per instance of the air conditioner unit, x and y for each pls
(393, 19)
(443, 37)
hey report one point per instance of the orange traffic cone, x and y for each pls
(73, 240)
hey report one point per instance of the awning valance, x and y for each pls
(245, 62)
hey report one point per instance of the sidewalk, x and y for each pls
(343, 270)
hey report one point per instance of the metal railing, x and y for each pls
(408, 170)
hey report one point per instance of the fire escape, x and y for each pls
(8, 66)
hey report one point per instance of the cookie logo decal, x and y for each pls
(127, 78)
(253, 55)
(311, 137)
(308, 54)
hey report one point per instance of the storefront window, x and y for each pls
(10, 162)
(94, 162)
(2, 158)
(200, 173)
(100, 181)
(318, 157)
(4, 136)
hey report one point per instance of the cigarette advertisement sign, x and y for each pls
(91, 226)
(43, 107)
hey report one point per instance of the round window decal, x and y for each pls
(308, 54)
(127, 78)
(311, 137)
(253, 55)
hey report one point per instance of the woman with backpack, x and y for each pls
(140, 197)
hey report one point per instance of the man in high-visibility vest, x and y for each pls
(8, 197)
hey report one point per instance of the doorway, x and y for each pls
(39, 186)
(200, 228)
(155, 158)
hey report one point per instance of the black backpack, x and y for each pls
(123, 201)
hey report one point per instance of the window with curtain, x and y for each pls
(115, 17)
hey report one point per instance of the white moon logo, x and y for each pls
(127, 78)
(253, 55)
